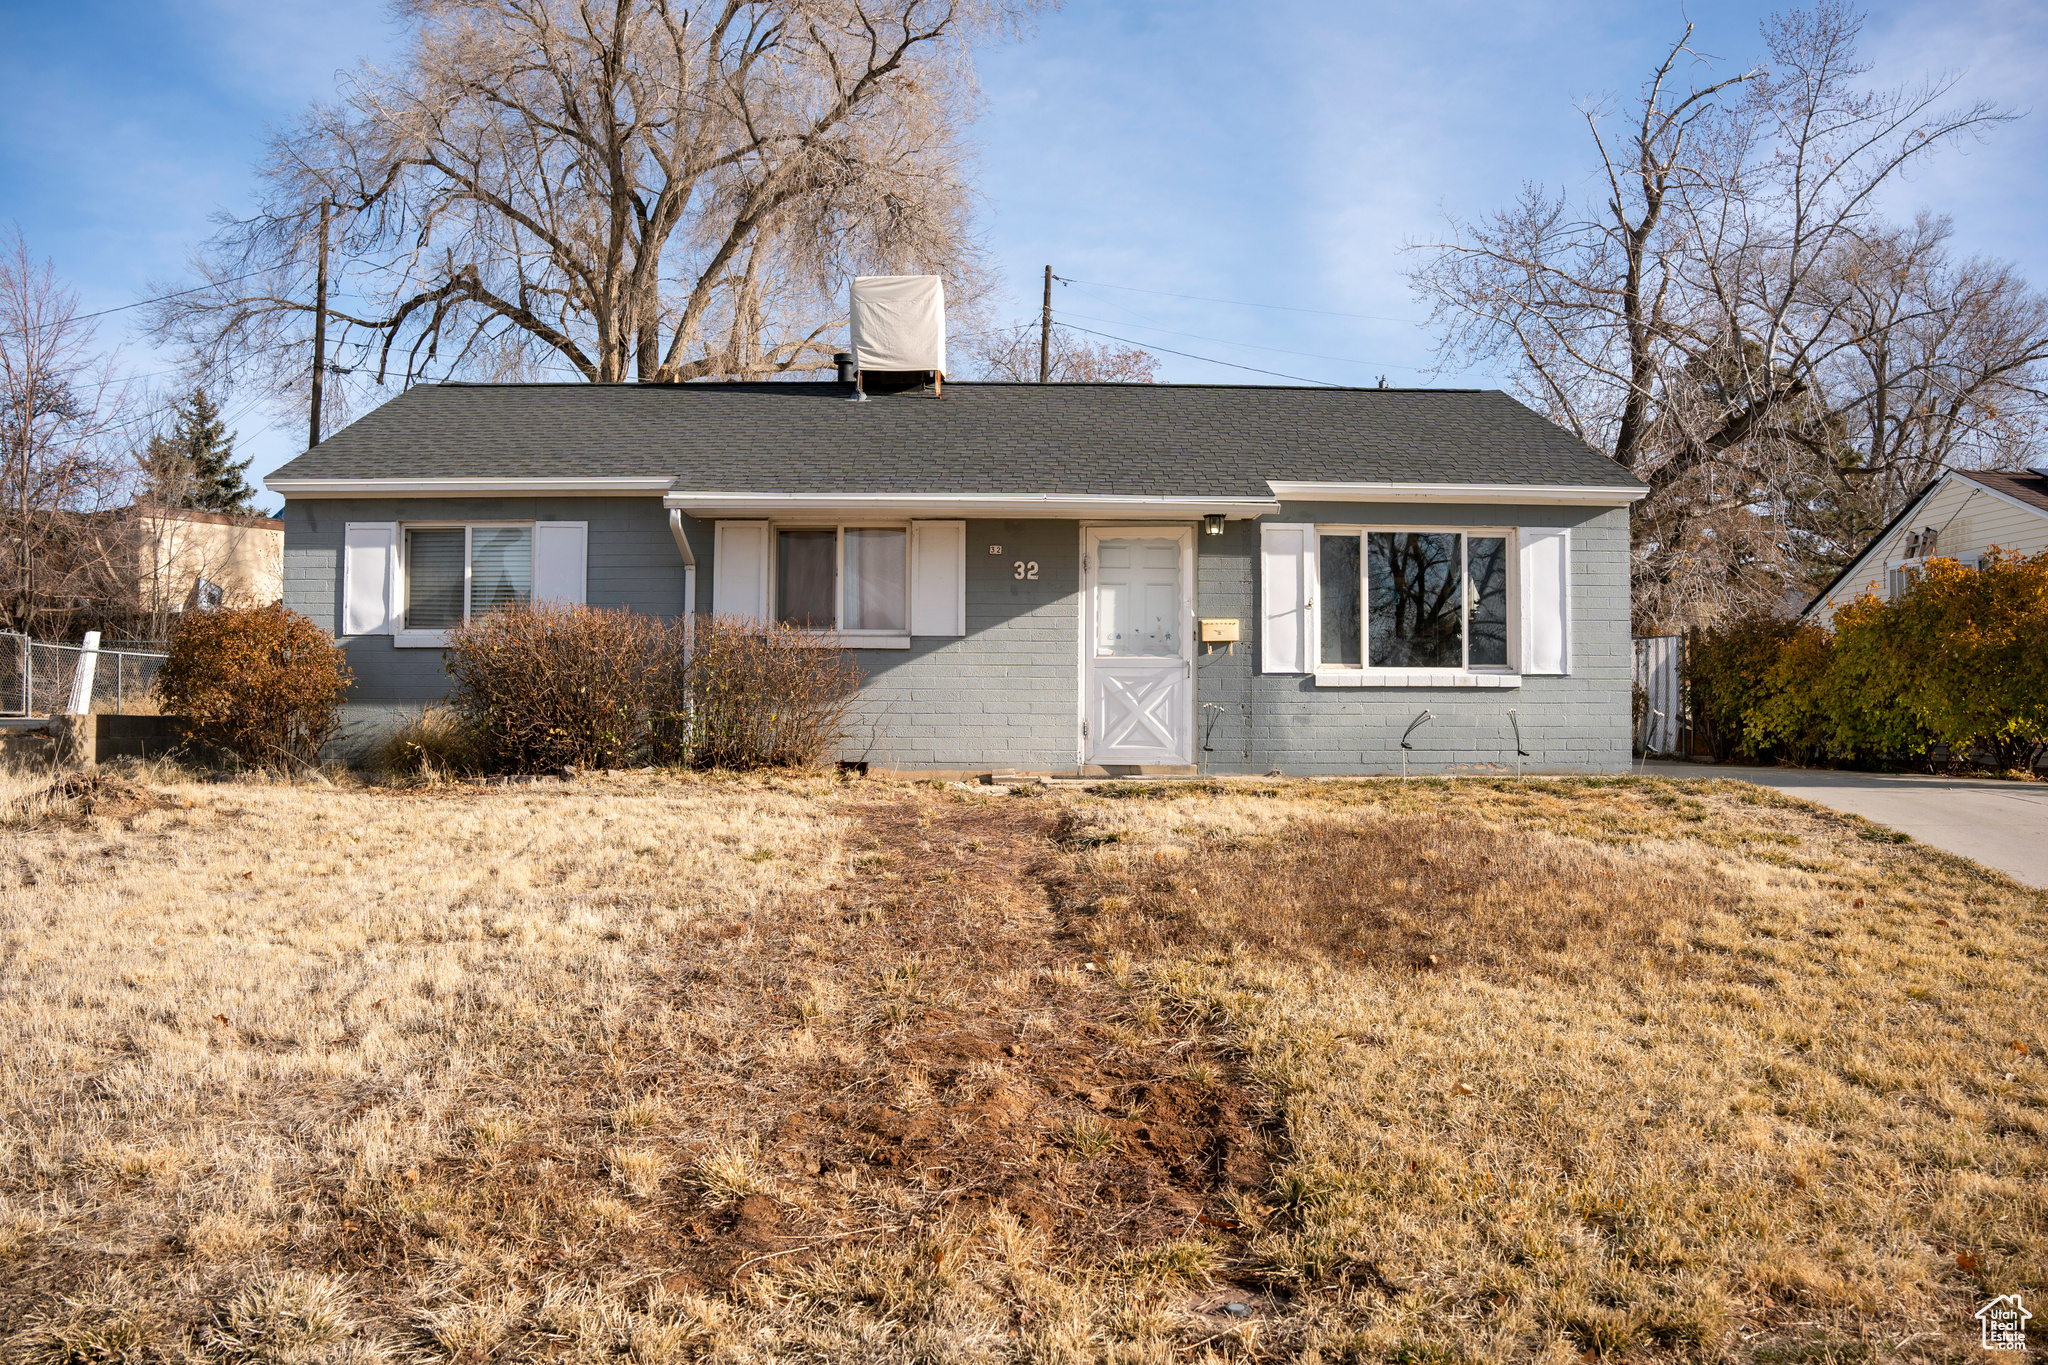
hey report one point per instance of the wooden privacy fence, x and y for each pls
(1661, 716)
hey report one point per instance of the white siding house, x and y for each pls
(1962, 515)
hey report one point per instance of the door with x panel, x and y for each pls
(1139, 671)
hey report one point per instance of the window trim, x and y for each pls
(1467, 674)
(836, 637)
(1972, 562)
(403, 638)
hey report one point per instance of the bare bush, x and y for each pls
(541, 687)
(262, 684)
(756, 696)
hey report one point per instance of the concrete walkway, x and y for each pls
(1999, 824)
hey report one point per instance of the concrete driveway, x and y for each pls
(1999, 824)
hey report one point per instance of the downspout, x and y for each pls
(675, 528)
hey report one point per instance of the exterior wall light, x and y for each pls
(1212, 523)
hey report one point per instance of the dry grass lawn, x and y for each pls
(661, 1067)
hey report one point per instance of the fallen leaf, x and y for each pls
(2018, 1046)
(1859, 903)
(1463, 1089)
(1942, 922)
(1434, 960)
(159, 938)
(376, 1004)
(1967, 1262)
(221, 1019)
(247, 875)
(1223, 1223)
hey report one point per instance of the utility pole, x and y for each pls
(320, 324)
(1045, 333)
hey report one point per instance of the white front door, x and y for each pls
(1138, 670)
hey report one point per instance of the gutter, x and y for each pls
(1524, 494)
(675, 528)
(1019, 505)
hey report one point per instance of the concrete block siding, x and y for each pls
(1574, 723)
(632, 562)
(1007, 694)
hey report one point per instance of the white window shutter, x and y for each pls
(938, 578)
(1546, 554)
(369, 578)
(1287, 597)
(740, 564)
(560, 557)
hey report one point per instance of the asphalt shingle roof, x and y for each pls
(1116, 440)
(2030, 487)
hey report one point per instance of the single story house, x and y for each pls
(1062, 578)
(1962, 515)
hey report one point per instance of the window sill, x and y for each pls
(1421, 677)
(833, 639)
(419, 639)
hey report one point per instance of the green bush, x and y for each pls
(1727, 669)
(262, 684)
(1958, 660)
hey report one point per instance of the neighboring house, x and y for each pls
(1033, 577)
(190, 560)
(1962, 515)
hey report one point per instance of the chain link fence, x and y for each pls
(36, 677)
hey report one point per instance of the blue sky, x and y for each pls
(1278, 153)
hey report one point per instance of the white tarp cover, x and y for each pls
(898, 323)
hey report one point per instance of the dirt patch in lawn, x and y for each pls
(914, 1046)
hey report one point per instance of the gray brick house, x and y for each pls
(1053, 578)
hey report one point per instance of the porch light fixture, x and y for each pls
(1212, 523)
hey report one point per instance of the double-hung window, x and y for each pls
(454, 574)
(852, 580)
(1413, 599)
(418, 581)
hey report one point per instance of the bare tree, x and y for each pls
(62, 411)
(1011, 353)
(631, 190)
(1685, 322)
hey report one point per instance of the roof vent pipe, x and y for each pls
(844, 360)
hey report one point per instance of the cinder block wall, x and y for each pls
(1008, 693)
(633, 562)
(1578, 723)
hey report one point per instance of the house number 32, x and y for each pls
(1026, 568)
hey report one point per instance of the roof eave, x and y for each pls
(640, 486)
(1523, 494)
(1044, 506)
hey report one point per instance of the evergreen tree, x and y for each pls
(195, 465)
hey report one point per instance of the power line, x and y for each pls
(1146, 345)
(1235, 303)
(139, 303)
(1252, 346)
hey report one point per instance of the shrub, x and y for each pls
(1963, 656)
(754, 696)
(434, 743)
(1792, 707)
(1726, 668)
(539, 687)
(1956, 660)
(263, 684)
